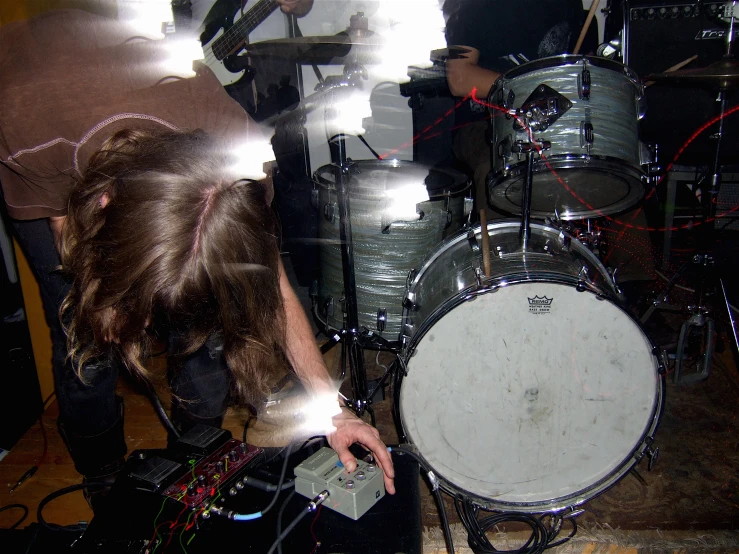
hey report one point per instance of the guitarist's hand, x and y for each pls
(295, 7)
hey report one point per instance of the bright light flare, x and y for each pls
(414, 29)
(250, 157)
(402, 201)
(346, 112)
(318, 414)
(181, 53)
(146, 16)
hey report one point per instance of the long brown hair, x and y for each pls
(160, 236)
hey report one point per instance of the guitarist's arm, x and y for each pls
(297, 8)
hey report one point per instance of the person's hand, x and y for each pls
(349, 430)
(295, 7)
(464, 75)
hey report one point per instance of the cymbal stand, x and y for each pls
(708, 282)
(351, 339)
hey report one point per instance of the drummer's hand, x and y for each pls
(349, 430)
(295, 7)
(464, 75)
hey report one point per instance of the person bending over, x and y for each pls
(160, 234)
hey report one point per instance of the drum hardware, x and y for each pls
(584, 83)
(651, 453)
(541, 109)
(598, 166)
(699, 329)
(529, 149)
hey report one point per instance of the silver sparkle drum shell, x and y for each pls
(531, 391)
(399, 212)
(570, 180)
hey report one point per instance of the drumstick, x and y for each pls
(588, 21)
(674, 68)
(485, 242)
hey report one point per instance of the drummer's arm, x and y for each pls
(464, 75)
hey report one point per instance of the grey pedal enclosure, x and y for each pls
(350, 494)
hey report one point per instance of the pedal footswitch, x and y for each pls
(351, 494)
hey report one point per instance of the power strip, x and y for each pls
(350, 494)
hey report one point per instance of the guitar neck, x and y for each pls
(233, 39)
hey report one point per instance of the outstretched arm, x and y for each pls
(306, 359)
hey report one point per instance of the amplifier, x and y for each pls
(657, 35)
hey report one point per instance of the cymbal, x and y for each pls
(721, 75)
(322, 50)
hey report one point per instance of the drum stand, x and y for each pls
(352, 340)
(709, 284)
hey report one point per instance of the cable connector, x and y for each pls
(433, 480)
(217, 510)
(318, 500)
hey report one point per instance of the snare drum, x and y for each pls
(532, 390)
(588, 109)
(399, 212)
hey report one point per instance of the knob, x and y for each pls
(233, 455)
(220, 467)
(232, 491)
(350, 484)
(192, 490)
(202, 480)
(360, 475)
(371, 468)
(239, 485)
(243, 448)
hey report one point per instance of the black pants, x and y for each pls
(89, 411)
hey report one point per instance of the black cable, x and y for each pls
(62, 492)
(288, 450)
(304, 512)
(437, 492)
(541, 537)
(279, 518)
(22, 507)
(161, 412)
(444, 521)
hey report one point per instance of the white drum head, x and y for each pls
(532, 396)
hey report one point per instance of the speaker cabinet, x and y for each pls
(658, 35)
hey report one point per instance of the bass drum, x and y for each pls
(399, 212)
(589, 109)
(530, 391)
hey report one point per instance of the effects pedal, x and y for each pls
(350, 494)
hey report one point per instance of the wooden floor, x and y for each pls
(143, 430)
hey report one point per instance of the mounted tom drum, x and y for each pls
(588, 109)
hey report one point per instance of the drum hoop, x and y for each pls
(576, 161)
(562, 503)
(568, 60)
(460, 186)
(503, 224)
(571, 501)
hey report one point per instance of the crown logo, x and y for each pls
(540, 301)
